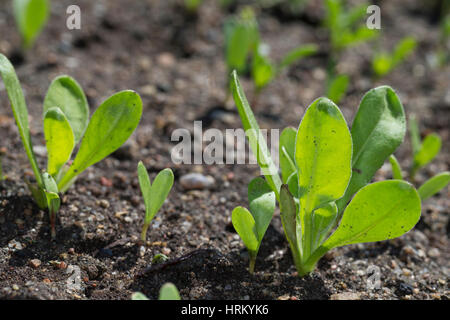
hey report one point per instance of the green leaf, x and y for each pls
(414, 133)
(429, 149)
(396, 169)
(403, 50)
(434, 185)
(323, 154)
(292, 183)
(53, 200)
(65, 93)
(31, 16)
(20, 111)
(169, 292)
(287, 152)
(262, 70)
(110, 126)
(381, 64)
(255, 138)
(241, 37)
(337, 88)
(59, 140)
(138, 296)
(324, 219)
(378, 129)
(245, 226)
(379, 211)
(262, 203)
(291, 225)
(154, 195)
(297, 54)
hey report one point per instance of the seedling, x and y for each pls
(324, 165)
(423, 153)
(384, 62)
(167, 292)
(192, 5)
(66, 123)
(154, 195)
(241, 39)
(31, 17)
(346, 29)
(264, 71)
(252, 225)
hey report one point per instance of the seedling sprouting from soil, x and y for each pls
(252, 225)
(167, 292)
(423, 153)
(243, 42)
(346, 29)
(385, 62)
(324, 166)
(31, 17)
(66, 123)
(154, 194)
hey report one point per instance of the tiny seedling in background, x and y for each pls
(384, 62)
(154, 194)
(31, 17)
(423, 153)
(66, 123)
(346, 29)
(264, 71)
(192, 5)
(252, 225)
(241, 39)
(167, 292)
(336, 87)
(325, 175)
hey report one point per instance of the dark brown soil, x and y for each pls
(176, 63)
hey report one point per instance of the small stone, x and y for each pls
(434, 253)
(106, 182)
(166, 251)
(46, 280)
(104, 203)
(71, 251)
(62, 265)
(166, 59)
(35, 263)
(436, 296)
(346, 296)
(15, 287)
(192, 181)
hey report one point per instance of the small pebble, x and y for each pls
(192, 181)
(35, 263)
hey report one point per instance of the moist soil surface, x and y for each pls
(175, 61)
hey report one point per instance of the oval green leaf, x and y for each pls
(262, 204)
(244, 224)
(110, 126)
(158, 193)
(378, 129)
(59, 140)
(30, 16)
(379, 211)
(429, 149)
(169, 292)
(65, 93)
(434, 185)
(323, 154)
(396, 169)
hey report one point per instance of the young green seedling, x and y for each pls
(252, 225)
(66, 123)
(241, 39)
(264, 71)
(167, 292)
(154, 194)
(423, 153)
(384, 62)
(346, 29)
(31, 17)
(324, 166)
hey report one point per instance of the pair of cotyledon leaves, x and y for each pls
(324, 165)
